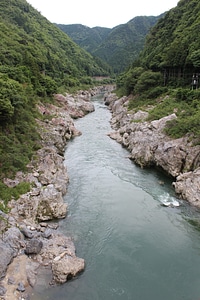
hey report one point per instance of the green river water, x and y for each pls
(134, 248)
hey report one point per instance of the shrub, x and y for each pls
(148, 80)
(186, 95)
(156, 92)
(8, 193)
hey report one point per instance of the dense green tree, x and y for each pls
(169, 64)
(118, 46)
(37, 59)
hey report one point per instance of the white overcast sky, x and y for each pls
(104, 13)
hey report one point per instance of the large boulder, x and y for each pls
(50, 204)
(51, 169)
(77, 106)
(187, 186)
(60, 250)
(66, 267)
(7, 254)
(33, 246)
(14, 239)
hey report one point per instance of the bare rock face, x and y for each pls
(51, 169)
(150, 146)
(76, 106)
(187, 185)
(6, 257)
(14, 239)
(48, 208)
(33, 246)
(66, 267)
(60, 251)
(26, 246)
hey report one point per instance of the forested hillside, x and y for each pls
(86, 37)
(37, 59)
(173, 45)
(118, 46)
(168, 68)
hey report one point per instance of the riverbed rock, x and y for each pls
(51, 169)
(48, 208)
(45, 247)
(33, 246)
(6, 257)
(187, 186)
(59, 251)
(2, 290)
(14, 238)
(151, 147)
(77, 106)
(66, 267)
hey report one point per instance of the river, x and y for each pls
(134, 248)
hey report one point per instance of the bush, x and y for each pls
(148, 80)
(156, 92)
(127, 81)
(8, 193)
(49, 86)
(186, 123)
(186, 95)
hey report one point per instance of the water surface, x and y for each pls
(134, 247)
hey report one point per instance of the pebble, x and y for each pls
(11, 280)
(21, 287)
(43, 224)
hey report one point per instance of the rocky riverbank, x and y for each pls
(30, 241)
(150, 147)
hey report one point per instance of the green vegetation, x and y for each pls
(36, 60)
(162, 75)
(8, 193)
(117, 47)
(86, 37)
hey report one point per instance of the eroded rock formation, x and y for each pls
(28, 243)
(150, 146)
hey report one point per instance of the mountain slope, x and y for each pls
(173, 44)
(36, 58)
(125, 42)
(166, 75)
(118, 46)
(86, 37)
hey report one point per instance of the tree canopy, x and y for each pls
(36, 60)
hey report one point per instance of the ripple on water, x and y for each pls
(134, 247)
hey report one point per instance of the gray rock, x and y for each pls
(2, 290)
(6, 257)
(66, 268)
(27, 233)
(47, 233)
(13, 237)
(11, 281)
(33, 246)
(150, 146)
(187, 186)
(21, 287)
(51, 204)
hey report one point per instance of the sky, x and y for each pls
(103, 13)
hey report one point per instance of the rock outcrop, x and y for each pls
(150, 146)
(28, 242)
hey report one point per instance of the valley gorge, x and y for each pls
(30, 239)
